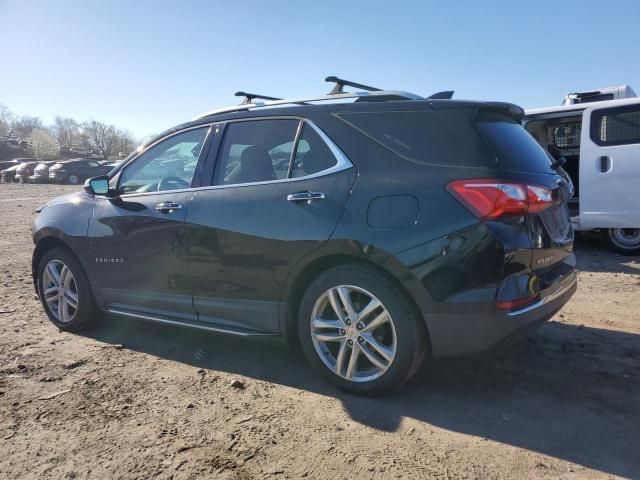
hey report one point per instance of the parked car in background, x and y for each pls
(4, 164)
(41, 172)
(596, 140)
(9, 174)
(25, 170)
(76, 170)
(113, 164)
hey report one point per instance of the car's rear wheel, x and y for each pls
(360, 331)
(623, 240)
(74, 179)
(64, 290)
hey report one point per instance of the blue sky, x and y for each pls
(148, 65)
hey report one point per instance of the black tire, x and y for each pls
(86, 311)
(625, 241)
(410, 331)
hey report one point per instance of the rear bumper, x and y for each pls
(478, 329)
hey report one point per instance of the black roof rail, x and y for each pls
(341, 82)
(445, 95)
(248, 97)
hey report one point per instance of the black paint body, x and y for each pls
(239, 257)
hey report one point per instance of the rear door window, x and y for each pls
(256, 151)
(616, 126)
(312, 154)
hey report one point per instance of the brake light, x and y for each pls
(517, 303)
(491, 199)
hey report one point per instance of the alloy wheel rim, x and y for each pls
(73, 179)
(60, 291)
(353, 333)
(625, 237)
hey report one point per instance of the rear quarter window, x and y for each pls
(418, 136)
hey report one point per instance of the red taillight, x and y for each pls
(517, 303)
(491, 199)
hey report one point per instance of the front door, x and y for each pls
(277, 194)
(138, 237)
(610, 167)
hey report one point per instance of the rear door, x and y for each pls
(277, 192)
(610, 167)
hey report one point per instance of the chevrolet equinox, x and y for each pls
(374, 228)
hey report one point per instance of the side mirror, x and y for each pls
(97, 185)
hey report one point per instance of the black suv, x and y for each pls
(76, 170)
(376, 229)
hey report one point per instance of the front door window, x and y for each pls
(168, 165)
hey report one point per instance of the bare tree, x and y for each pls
(26, 124)
(126, 142)
(6, 121)
(43, 145)
(67, 130)
(103, 137)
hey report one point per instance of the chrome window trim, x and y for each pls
(342, 161)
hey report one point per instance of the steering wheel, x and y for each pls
(165, 182)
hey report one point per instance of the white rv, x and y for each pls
(598, 133)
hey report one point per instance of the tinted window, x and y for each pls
(515, 148)
(618, 126)
(419, 136)
(312, 154)
(256, 151)
(168, 165)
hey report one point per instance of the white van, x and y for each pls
(600, 140)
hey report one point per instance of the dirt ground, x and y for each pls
(136, 400)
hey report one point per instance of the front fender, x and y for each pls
(63, 222)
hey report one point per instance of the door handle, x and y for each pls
(168, 207)
(306, 197)
(605, 164)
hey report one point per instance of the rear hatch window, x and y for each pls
(514, 147)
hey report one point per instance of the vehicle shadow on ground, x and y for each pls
(594, 256)
(566, 391)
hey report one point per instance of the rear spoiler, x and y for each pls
(510, 109)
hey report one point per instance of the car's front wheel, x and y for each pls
(74, 179)
(359, 330)
(64, 290)
(623, 240)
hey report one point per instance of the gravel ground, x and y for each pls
(134, 400)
